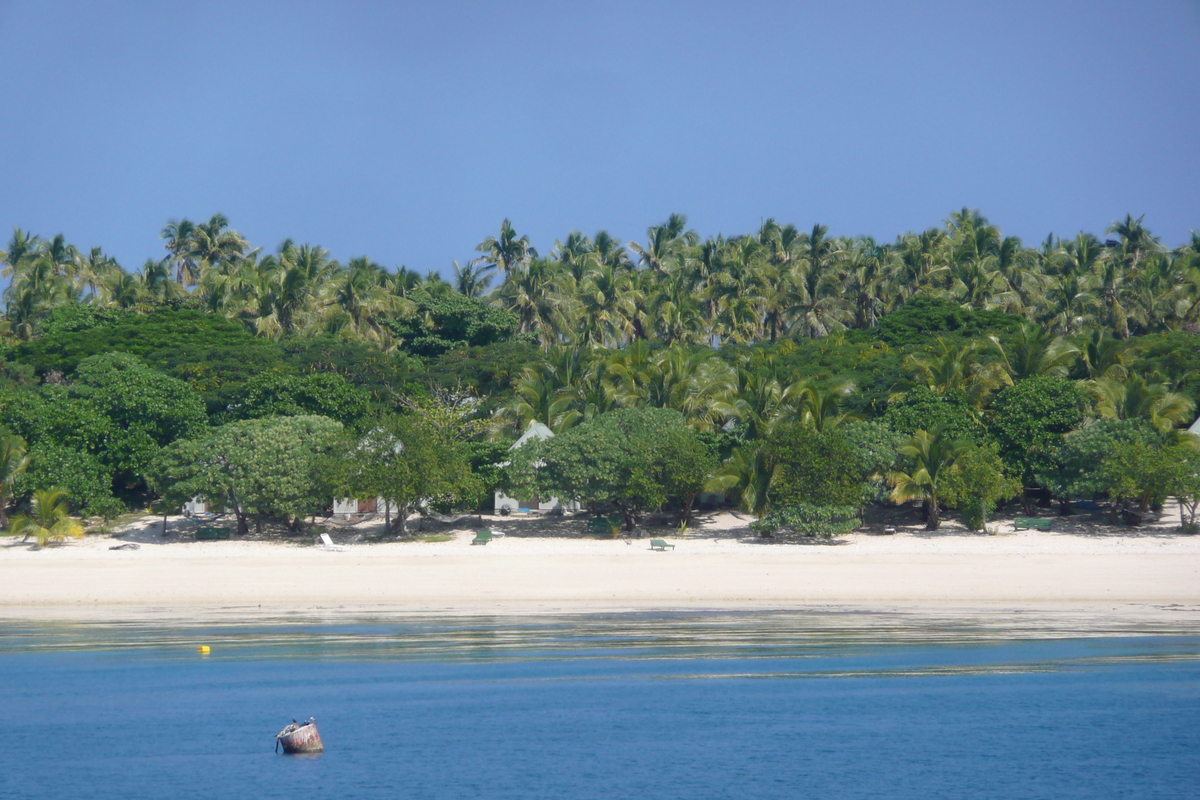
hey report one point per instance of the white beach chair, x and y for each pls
(327, 544)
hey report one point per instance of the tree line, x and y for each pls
(955, 367)
(672, 289)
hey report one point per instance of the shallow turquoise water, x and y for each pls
(680, 706)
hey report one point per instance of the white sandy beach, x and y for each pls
(550, 566)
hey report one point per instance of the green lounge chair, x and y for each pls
(660, 544)
(1024, 523)
(482, 537)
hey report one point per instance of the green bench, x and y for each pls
(1025, 523)
(660, 544)
(211, 534)
(482, 537)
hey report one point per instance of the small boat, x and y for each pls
(300, 737)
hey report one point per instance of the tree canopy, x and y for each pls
(784, 365)
(628, 460)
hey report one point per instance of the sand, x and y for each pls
(547, 566)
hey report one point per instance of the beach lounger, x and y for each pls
(660, 544)
(327, 544)
(482, 537)
(1024, 523)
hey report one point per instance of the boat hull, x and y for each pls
(304, 739)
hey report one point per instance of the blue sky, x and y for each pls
(407, 131)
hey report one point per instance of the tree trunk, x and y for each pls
(242, 527)
(258, 523)
(164, 530)
(933, 519)
(687, 509)
(1026, 502)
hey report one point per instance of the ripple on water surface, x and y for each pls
(835, 705)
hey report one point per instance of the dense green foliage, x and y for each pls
(323, 394)
(815, 468)
(1074, 471)
(1028, 420)
(86, 482)
(976, 482)
(447, 321)
(274, 468)
(923, 409)
(808, 520)
(406, 461)
(789, 370)
(628, 461)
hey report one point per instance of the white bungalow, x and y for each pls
(505, 504)
(345, 507)
(196, 507)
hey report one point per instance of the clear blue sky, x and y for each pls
(407, 131)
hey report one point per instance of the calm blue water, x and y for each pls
(733, 706)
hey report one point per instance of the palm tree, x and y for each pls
(49, 521)
(13, 463)
(957, 370)
(506, 251)
(674, 311)
(1136, 241)
(544, 391)
(1067, 304)
(818, 287)
(358, 298)
(532, 292)
(94, 269)
(607, 251)
(822, 406)
(37, 287)
(693, 382)
(299, 274)
(921, 264)
(211, 246)
(933, 455)
(122, 290)
(178, 235)
(471, 282)
(1036, 352)
(1137, 398)
(864, 281)
(607, 302)
(21, 246)
(666, 244)
(1106, 357)
(156, 284)
(760, 400)
(749, 473)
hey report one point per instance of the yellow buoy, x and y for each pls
(203, 649)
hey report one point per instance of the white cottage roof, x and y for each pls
(1195, 427)
(536, 430)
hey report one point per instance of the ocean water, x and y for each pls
(617, 706)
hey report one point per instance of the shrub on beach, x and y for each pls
(629, 460)
(265, 469)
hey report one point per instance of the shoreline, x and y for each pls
(1149, 575)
